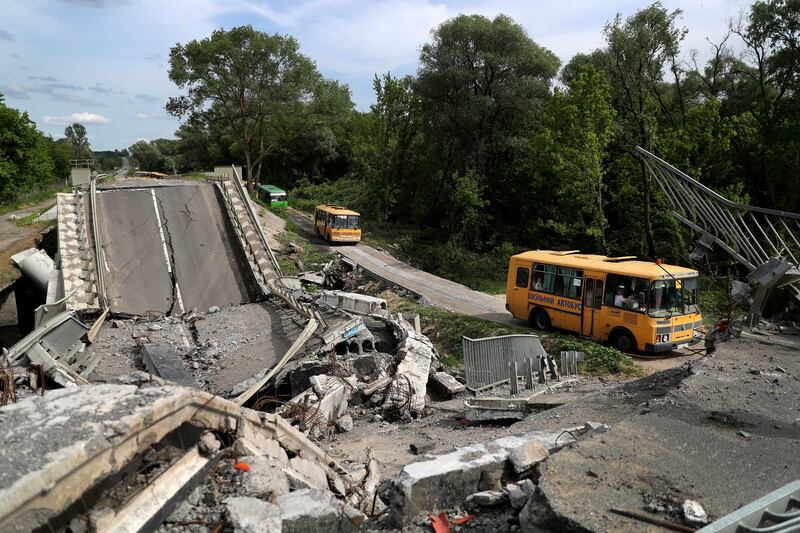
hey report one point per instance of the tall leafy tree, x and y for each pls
(481, 83)
(78, 140)
(640, 49)
(25, 160)
(576, 128)
(245, 78)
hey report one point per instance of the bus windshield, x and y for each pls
(346, 222)
(673, 297)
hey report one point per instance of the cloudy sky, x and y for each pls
(104, 62)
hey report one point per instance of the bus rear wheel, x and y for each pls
(624, 342)
(540, 320)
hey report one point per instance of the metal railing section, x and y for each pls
(98, 245)
(487, 360)
(248, 204)
(752, 235)
(778, 511)
(267, 281)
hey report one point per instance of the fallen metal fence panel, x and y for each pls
(487, 360)
(778, 511)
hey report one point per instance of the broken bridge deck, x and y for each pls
(169, 248)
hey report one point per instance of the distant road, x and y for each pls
(438, 291)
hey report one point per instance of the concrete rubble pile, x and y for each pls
(140, 452)
(392, 386)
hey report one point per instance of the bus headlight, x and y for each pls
(662, 338)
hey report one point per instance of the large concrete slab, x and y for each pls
(169, 249)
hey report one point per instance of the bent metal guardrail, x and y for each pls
(486, 360)
(752, 235)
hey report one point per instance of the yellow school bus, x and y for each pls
(335, 223)
(634, 305)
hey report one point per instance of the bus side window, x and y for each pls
(598, 294)
(588, 293)
(522, 277)
(612, 282)
(545, 274)
(568, 282)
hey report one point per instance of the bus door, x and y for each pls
(590, 310)
(519, 293)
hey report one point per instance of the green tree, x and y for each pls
(25, 163)
(576, 128)
(245, 78)
(640, 49)
(481, 83)
(150, 157)
(767, 81)
(78, 141)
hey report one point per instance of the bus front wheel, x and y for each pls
(540, 320)
(624, 342)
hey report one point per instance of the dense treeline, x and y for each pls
(34, 164)
(495, 145)
(29, 160)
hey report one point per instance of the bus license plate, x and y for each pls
(683, 345)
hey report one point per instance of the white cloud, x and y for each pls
(83, 118)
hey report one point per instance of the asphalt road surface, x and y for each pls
(169, 248)
(438, 291)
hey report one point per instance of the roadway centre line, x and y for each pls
(166, 252)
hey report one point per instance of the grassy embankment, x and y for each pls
(33, 198)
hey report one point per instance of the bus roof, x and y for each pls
(628, 265)
(337, 209)
(272, 189)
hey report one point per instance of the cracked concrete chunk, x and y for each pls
(345, 423)
(310, 472)
(251, 515)
(525, 456)
(516, 495)
(411, 378)
(311, 511)
(447, 384)
(270, 448)
(444, 481)
(694, 514)
(209, 444)
(488, 498)
(265, 478)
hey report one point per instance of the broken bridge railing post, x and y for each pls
(513, 378)
(529, 373)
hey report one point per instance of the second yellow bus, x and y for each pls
(335, 223)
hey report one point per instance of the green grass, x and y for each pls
(598, 359)
(199, 176)
(447, 328)
(33, 198)
(29, 219)
(312, 257)
(280, 210)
